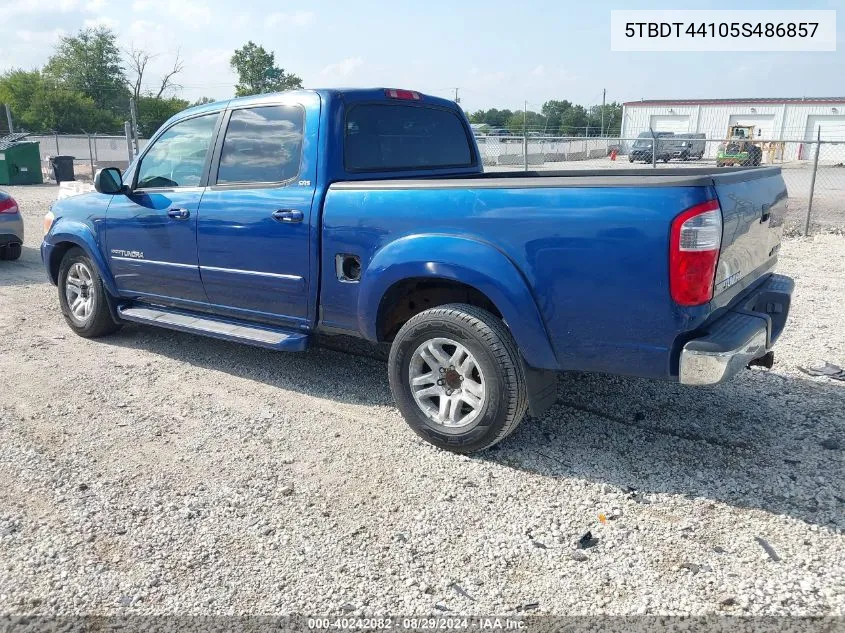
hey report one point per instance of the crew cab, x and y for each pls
(272, 219)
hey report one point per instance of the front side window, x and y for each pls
(262, 145)
(384, 137)
(177, 157)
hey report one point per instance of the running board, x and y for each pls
(239, 332)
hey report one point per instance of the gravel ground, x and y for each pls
(156, 472)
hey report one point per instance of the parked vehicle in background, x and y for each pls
(643, 148)
(271, 219)
(11, 228)
(740, 149)
(687, 146)
(501, 135)
(479, 129)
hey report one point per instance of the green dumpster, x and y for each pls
(20, 162)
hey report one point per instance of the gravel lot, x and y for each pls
(157, 472)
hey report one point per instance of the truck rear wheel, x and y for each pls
(457, 377)
(82, 296)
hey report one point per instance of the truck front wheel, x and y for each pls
(82, 296)
(457, 378)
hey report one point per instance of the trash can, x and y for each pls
(62, 168)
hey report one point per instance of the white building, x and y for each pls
(785, 119)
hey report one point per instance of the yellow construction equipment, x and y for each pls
(740, 148)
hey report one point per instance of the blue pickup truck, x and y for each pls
(270, 220)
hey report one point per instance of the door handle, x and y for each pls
(288, 215)
(179, 214)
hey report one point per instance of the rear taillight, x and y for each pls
(8, 206)
(408, 95)
(694, 251)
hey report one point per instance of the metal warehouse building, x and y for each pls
(785, 119)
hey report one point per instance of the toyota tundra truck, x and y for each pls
(271, 220)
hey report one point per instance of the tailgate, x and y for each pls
(753, 204)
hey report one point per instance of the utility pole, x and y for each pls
(603, 96)
(813, 180)
(134, 115)
(457, 98)
(9, 118)
(91, 156)
(127, 130)
(525, 136)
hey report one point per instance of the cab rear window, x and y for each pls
(392, 137)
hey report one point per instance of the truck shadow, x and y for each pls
(754, 442)
(24, 271)
(764, 441)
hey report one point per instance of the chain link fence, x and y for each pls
(814, 171)
(90, 152)
(816, 184)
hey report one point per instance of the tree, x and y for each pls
(612, 118)
(90, 63)
(573, 121)
(258, 73)
(531, 121)
(553, 111)
(17, 88)
(138, 60)
(166, 82)
(154, 111)
(492, 117)
(39, 105)
(202, 101)
(68, 112)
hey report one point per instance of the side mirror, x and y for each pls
(109, 181)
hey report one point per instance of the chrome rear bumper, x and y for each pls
(709, 368)
(738, 337)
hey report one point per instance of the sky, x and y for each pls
(498, 54)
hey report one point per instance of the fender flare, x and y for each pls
(79, 234)
(465, 260)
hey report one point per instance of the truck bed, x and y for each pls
(591, 245)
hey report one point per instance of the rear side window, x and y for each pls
(261, 145)
(385, 137)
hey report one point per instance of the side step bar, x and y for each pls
(239, 332)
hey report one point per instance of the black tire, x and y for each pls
(11, 252)
(490, 343)
(756, 157)
(98, 321)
